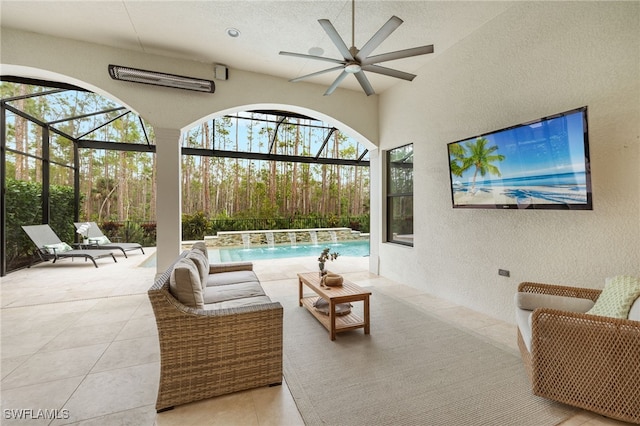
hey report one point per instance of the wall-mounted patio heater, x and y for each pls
(118, 72)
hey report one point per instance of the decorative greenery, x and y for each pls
(326, 256)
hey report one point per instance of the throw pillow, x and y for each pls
(202, 263)
(57, 248)
(617, 297)
(100, 240)
(322, 306)
(200, 245)
(185, 284)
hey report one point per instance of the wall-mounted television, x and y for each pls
(541, 164)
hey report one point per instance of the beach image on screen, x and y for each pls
(540, 163)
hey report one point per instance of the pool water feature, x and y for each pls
(357, 248)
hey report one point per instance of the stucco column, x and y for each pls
(375, 210)
(169, 196)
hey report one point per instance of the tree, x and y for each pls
(480, 157)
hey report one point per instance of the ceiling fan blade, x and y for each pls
(320, 58)
(398, 54)
(364, 82)
(336, 83)
(336, 39)
(304, 77)
(384, 32)
(390, 72)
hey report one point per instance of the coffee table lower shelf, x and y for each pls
(347, 322)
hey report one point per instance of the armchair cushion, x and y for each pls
(617, 297)
(185, 284)
(526, 303)
(532, 301)
(634, 312)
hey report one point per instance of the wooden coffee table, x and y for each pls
(347, 293)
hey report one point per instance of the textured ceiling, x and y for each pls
(196, 30)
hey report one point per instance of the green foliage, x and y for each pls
(62, 211)
(24, 207)
(195, 226)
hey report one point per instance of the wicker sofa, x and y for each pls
(232, 343)
(577, 358)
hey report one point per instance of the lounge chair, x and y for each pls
(51, 247)
(98, 240)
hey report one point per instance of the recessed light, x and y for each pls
(316, 51)
(233, 32)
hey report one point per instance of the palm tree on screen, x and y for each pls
(456, 157)
(481, 157)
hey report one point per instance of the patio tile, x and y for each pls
(275, 406)
(10, 364)
(233, 409)
(85, 335)
(144, 326)
(114, 391)
(135, 417)
(128, 353)
(44, 396)
(27, 343)
(55, 365)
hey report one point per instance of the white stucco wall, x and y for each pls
(29, 54)
(535, 60)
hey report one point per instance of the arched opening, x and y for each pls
(46, 130)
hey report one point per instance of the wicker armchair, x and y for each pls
(583, 360)
(206, 353)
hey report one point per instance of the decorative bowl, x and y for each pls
(333, 280)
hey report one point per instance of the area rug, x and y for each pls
(413, 369)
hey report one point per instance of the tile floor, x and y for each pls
(81, 343)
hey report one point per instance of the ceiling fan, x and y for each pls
(357, 61)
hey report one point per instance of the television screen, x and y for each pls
(543, 164)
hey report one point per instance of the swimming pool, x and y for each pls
(358, 248)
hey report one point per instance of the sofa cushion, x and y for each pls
(617, 297)
(185, 284)
(202, 263)
(202, 247)
(226, 278)
(236, 303)
(532, 301)
(220, 293)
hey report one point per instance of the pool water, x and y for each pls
(357, 248)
